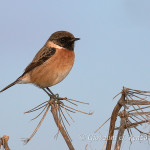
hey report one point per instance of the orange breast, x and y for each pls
(54, 70)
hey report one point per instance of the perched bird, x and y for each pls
(51, 64)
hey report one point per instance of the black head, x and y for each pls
(63, 39)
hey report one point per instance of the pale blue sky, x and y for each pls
(114, 51)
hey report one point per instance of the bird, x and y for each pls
(51, 64)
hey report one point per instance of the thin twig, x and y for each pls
(36, 129)
(78, 110)
(102, 125)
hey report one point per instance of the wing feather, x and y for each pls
(44, 54)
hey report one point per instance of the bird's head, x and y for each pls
(63, 39)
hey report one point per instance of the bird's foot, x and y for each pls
(55, 97)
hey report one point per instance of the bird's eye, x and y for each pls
(62, 39)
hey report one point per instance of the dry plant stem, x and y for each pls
(120, 133)
(113, 120)
(141, 116)
(54, 111)
(57, 107)
(4, 142)
(139, 113)
(138, 109)
(38, 126)
(135, 124)
(137, 102)
(101, 125)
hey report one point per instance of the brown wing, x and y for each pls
(44, 54)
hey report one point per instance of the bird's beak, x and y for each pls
(75, 39)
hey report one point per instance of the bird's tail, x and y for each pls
(10, 85)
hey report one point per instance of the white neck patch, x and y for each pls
(51, 44)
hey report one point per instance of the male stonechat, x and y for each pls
(51, 64)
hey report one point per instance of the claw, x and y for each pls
(57, 95)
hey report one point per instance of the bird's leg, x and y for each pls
(56, 95)
(52, 95)
(47, 92)
(50, 91)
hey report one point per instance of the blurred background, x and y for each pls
(114, 51)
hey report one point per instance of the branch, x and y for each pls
(137, 102)
(4, 142)
(120, 133)
(54, 111)
(113, 120)
(57, 107)
(135, 124)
